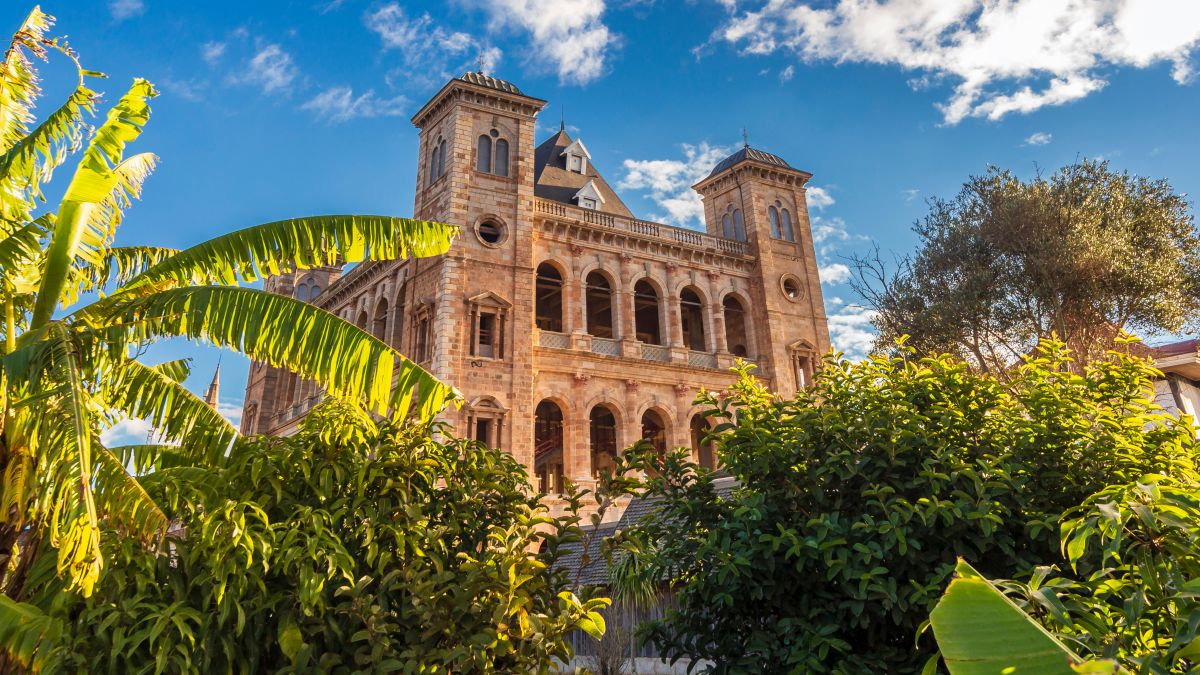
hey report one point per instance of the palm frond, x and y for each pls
(85, 215)
(123, 501)
(143, 458)
(298, 243)
(154, 394)
(120, 264)
(19, 87)
(177, 370)
(22, 245)
(285, 333)
(27, 634)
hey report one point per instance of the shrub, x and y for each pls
(857, 497)
(345, 548)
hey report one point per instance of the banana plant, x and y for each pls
(77, 310)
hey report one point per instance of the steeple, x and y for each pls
(210, 396)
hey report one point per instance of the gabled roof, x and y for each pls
(576, 148)
(589, 191)
(489, 299)
(552, 181)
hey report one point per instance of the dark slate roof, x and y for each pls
(552, 181)
(750, 153)
(490, 82)
(595, 573)
(1176, 348)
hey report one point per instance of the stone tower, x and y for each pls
(757, 197)
(472, 308)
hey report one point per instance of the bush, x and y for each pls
(857, 497)
(345, 548)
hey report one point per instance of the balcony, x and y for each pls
(643, 229)
(547, 338)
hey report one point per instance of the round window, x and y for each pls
(491, 232)
(494, 133)
(792, 288)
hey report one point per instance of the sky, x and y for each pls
(275, 109)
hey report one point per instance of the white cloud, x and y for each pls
(212, 51)
(339, 104)
(417, 39)
(827, 233)
(567, 33)
(128, 432)
(787, 73)
(124, 9)
(669, 182)
(1038, 138)
(189, 90)
(1000, 57)
(834, 273)
(231, 412)
(818, 198)
(851, 332)
(270, 68)
(910, 194)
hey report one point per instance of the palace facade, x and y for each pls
(572, 327)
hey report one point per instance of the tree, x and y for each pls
(68, 367)
(858, 496)
(349, 547)
(1084, 254)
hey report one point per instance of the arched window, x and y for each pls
(483, 154)
(501, 157)
(788, 232)
(599, 306)
(732, 224)
(548, 308)
(774, 213)
(702, 445)
(735, 326)
(441, 168)
(379, 325)
(433, 164)
(691, 319)
(302, 292)
(313, 291)
(654, 429)
(602, 424)
(548, 447)
(645, 313)
(362, 320)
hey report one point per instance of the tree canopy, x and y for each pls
(1084, 254)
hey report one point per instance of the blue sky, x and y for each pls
(278, 109)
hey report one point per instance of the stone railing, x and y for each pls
(606, 346)
(643, 228)
(547, 338)
(702, 359)
(655, 353)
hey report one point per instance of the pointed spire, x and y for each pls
(562, 118)
(210, 396)
(745, 138)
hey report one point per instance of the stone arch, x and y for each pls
(550, 295)
(656, 425)
(747, 333)
(600, 301)
(549, 442)
(604, 437)
(693, 317)
(648, 310)
(379, 319)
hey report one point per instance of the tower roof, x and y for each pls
(749, 153)
(489, 82)
(214, 388)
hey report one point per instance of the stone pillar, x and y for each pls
(716, 314)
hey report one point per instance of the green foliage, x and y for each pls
(857, 497)
(349, 547)
(1084, 253)
(1135, 549)
(68, 369)
(981, 632)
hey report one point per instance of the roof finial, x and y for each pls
(480, 60)
(745, 138)
(562, 118)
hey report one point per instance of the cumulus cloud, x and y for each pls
(999, 57)
(271, 68)
(1038, 138)
(339, 104)
(834, 273)
(125, 9)
(850, 331)
(818, 198)
(416, 38)
(669, 182)
(569, 34)
(212, 51)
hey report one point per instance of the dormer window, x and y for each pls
(577, 157)
(589, 196)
